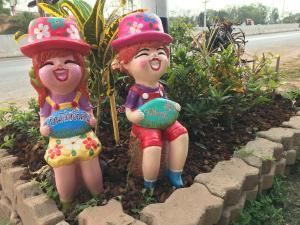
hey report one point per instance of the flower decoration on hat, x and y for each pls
(74, 33)
(41, 31)
(56, 22)
(149, 18)
(135, 27)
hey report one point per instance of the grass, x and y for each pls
(4, 222)
(279, 206)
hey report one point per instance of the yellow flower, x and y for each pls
(239, 89)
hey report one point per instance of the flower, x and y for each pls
(41, 31)
(136, 27)
(56, 22)
(149, 18)
(72, 143)
(90, 143)
(239, 89)
(74, 33)
(55, 151)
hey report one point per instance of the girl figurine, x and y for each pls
(66, 114)
(142, 52)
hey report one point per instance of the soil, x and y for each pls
(217, 143)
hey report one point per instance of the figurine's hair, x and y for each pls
(127, 53)
(40, 58)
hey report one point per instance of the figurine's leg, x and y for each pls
(178, 152)
(65, 180)
(178, 148)
(92, 175)
(150, 165)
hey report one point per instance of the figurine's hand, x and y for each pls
(45, 130)
(137, 116)
(177, 107)
(92, 122)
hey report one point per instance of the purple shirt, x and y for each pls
(135, 100)
(46, 110)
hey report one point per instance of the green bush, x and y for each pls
(24, 122)
(267, 209)
(20, 22)
(215, 85)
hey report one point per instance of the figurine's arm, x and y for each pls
(92, 120)
(134, 116)
(44, 129)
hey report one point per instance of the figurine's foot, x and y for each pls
(174, 178)
(65, 206)
(149, 186)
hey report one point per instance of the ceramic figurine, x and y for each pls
(143, 53)
(66, 114)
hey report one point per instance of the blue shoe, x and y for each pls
(174, 178)
(149, 184)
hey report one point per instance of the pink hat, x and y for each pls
(140, 27)
(47, 33)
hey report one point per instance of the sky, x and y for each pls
(292, 6)
(194, 7)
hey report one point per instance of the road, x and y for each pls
(284, 44)
(15, 85)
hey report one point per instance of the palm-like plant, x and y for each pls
(99, 32)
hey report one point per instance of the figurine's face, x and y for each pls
(60, 75)
(148, 65)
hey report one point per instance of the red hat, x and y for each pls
(139, 27)
(47, 33)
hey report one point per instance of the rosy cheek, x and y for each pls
(75, 72)
(143, 63)
(45, 75)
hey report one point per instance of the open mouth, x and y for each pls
(155, 64)
(61, 74)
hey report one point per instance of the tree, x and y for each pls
(2, 9)
(274, 16)
(292, 18)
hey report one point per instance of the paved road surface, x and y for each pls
(285, 44)
(14, 80)
(15, 84)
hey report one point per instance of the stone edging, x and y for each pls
(215, 198)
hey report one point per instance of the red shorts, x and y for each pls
(154, 137)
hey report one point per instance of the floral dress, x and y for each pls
(64, 151)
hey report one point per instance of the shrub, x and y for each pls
(23, 122)
(267, 209)
(20, 22)
(215, 85)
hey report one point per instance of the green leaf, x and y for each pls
(66, 5)
(85, 8)
(52, 10)
(94, 24)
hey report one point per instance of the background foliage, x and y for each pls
(214, 85)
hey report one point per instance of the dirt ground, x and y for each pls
(291, 67)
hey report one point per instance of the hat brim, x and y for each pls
(122, 42)
(35, 47)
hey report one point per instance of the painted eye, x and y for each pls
(162, 53)
(71, 61)
(47, 64)
(141, 54)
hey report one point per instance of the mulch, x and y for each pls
(217, 143)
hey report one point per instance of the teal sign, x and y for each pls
(159, 113)
(68, 122)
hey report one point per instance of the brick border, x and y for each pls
(216, 197)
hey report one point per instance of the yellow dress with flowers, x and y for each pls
(65, 151)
